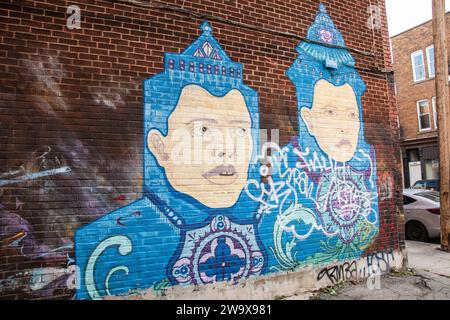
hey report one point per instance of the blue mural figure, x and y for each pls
(322, 200)
(194, 221)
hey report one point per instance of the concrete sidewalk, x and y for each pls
(429, 279)
(420, 286)
(428, 257)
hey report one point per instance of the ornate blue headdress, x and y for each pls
(324, 56)
(206, 64)
(323, 31)
(203, 57)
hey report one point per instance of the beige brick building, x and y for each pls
(413, 55)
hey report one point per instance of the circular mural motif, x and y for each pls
(221, 251)
(343, 200)
(326, 36)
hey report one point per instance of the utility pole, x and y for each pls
(442, 104)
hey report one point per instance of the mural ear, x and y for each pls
(308, 118)
(156, 145)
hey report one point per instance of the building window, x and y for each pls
(418, 66)
(435, 116)
(432, 169)
(423, 111)
(430, 59)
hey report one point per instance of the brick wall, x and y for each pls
(72, 120)
(409, 92)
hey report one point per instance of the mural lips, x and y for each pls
(344, 143)
(223, 171)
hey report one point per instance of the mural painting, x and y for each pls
(322, 199)
(205, 216)
(201, 127)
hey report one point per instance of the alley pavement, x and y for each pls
(429, 279)
(428, 257)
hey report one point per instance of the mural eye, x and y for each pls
(199, 131)
(331, 112)
(353, 116)
(240, 132)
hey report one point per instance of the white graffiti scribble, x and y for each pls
(273, 195)
(342, 200)
(295, 181)
(35, 175)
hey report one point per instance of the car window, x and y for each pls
(408, 200)
(433, 196)
(432, 184)
(418, 185)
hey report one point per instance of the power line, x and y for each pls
(235, 23)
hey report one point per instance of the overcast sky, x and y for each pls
(405, 14)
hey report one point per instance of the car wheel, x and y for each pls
(416, 231)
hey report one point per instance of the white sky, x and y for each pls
(405, 14)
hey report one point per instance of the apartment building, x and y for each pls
(414, 65)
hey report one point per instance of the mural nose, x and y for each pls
(229, 146)
(228, 155)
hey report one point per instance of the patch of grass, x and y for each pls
(328, 291)
(316, 296)
(334, 290)
(402, 272)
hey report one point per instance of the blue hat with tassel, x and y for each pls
(323, 31)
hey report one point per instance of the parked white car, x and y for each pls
(422, 214)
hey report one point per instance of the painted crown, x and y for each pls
(205, 57)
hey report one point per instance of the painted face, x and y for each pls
(207, 151)
(334, 120)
